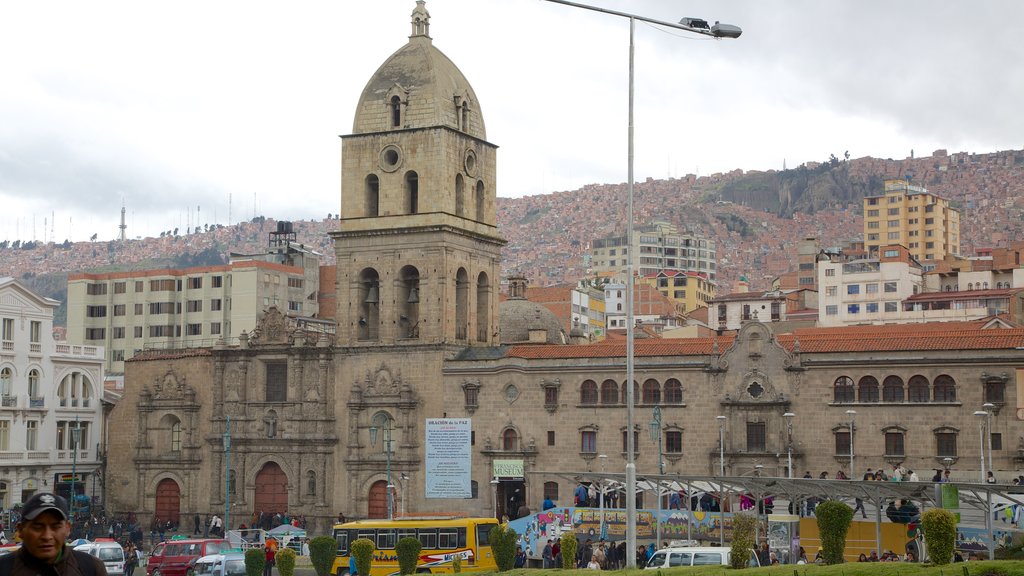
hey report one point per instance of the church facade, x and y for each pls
(292, 418)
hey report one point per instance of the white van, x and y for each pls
(108, 552)
(694, 556)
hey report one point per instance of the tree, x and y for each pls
(408, 551)
(569, 545)
(743, 531)
(503, 544)
(362, 550)
(255, 561)
(833, 519)
(939, 527)
(285, 561)
(322, 550)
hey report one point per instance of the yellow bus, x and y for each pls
(441, 540)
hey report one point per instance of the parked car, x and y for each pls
(108, 551)
(173, 558)
(696, 556)
(224, 564)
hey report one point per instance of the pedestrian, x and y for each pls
(44, 529)
(520, 561)
(991, 478)
(195, 524)
(556, 553)
(546, 556)
(764, 555)
(580, 496)
(270, 552)
(131, 558)
(548, 503)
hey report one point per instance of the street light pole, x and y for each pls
(655, 429)
(989, 407)
(718, 31)
(76, 435)
(603, 458)
(789, 445)
(227, 475)
(852, 414)
(721, 445)
(981, 440)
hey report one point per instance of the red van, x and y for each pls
(172, 558)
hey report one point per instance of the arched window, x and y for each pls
(843, 392)
(483, 307)
(970, 286)
(412, 193)
(652, 392)
(33, 383)
(176, 436)
(588, 392)
(917, 389)
(551, 491)
(673, 391)
(636, 392)
(609, 392)
(310, 483)
(892, 389)
(369, 305)
(945, 389)
(481, 201)
(396, 112)
(474, 489)
(868, 389)
(509, 440)
(460, 195)
(461, 304)
(409, 302)
(6, 380)
(75, 390)
(985, 284)
(372, 195)
(171, 426)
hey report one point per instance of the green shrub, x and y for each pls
(744, 527)
(939, 527)
(569, 545)
(255, 560)
(362, 549)
(833, 519)
(457, 564)
(285, 561)
(322, 551)
(503, 544)
(408, 550)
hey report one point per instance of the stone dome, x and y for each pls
(524, 322)
(431, 88)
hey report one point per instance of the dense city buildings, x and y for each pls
(656, 247)
(126, 312)
(51, 405)
(322, 422)
(908, 214)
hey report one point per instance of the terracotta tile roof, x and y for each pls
(930, 336)
(559, 293)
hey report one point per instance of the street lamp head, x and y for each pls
(851, 412)
(980, 413)
(988, 406)
(373, 435)
(788, 415)
(720, 419)
(720, 30)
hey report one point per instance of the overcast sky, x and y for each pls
(174, 107)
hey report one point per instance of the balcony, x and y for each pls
(7, 346)
(9, 401)
(34, 402)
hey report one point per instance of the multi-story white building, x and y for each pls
(50, 393)
(127, 312)
(732, 311)
(869, 290)
(656, 247)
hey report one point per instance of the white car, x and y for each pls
(225, 564)
(694, 556)
(108, 552)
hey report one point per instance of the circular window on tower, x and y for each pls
(390, 158)
(470, 163)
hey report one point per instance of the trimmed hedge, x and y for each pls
(833, 519)
(322, 551)
(255, 561)
(503, 543)
(285, 561)
(569, 545)
(744, 526)
(939, 527)
(362, 550)
(408, 551)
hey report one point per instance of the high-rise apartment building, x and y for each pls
(127, 312)
(657, 247)
(911, 216)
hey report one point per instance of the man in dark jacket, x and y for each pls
(44, 528)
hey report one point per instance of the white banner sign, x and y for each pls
(449, 458)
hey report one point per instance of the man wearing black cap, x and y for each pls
(44, 528)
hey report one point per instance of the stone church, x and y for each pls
(298, 419)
